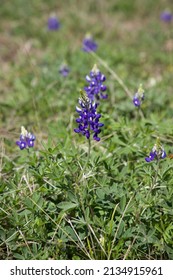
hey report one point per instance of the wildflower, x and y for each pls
(64, 70)
(89, 44)
(166, 16)
(157, 152)
(53, 23)
(138, 97)
(102, 240)
(96, 87)
(26, 139)
(88, 119)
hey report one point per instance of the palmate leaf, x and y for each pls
(66, 206)
(19, 256)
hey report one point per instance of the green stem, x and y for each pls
(156, 174)
(89, 149)
(169, 38)
(114, 74)
(28, 151)
(140, 112)
(88, 156)
(86, 163)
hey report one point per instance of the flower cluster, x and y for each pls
(89, 45)
(95, 88)
(166, 16)
(138, 97)
(53, 23)
(157, 152)
(64, 70)
(88, 119)
(26, 139)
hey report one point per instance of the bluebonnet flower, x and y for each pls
(96, 87)
(88, 119)
(166, 16)
(157, 152)
(53, 23)
(64, 70)
(89, 45)
(138, 97)
(26, 139)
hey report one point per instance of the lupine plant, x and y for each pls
(95, 90)
(157, 152)
(166, 16)
(89, 45)
(138, 97)
(26, 139)
(88, 120)
(57, 203)
(64, 70)
(53, 23)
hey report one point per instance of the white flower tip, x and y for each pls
(95, 69)
(78, 109)
(24, 132)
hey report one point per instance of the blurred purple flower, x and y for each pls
(151, 157)
(64, 70)
(138, 97)
(166, 16)
(157, 152)
(89, 45)
(26, 139)
(96, 87)
(136, 101)
(53, 23)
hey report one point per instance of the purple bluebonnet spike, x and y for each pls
(64, 70)
(96, 88)
(53, 23)
(138, 97)
(157, 152)
(89, 45)
(26, 139)
(166, 16)
(88, 120)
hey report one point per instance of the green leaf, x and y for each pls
(66, 206)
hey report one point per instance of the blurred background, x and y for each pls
(131, 38)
